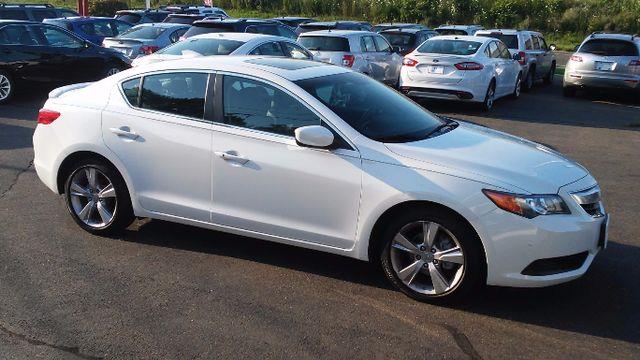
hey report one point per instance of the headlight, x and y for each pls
(528, 206)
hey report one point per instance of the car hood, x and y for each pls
(480, 153)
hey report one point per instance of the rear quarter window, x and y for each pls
(609, 47)
(13, 14)
(131, 90)
(325, 43)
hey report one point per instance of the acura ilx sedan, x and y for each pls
(322, 157)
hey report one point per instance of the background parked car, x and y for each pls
(405, 40)
(136, 17)
(93, 29)
(606, 61)
(187, 19)
(145, 39)
(198, 10)
(536, 58)
(458, 29)
(363, 51)
(333, 25)
(228, 44)
(293, 21)
(33, 12)
(255, 26)
(386, 26)
(456, 67)
(37, 52)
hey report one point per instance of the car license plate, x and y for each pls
(435, 69)
(604, 233)
(604, 66)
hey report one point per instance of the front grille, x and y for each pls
(590, 201)
(555, 265)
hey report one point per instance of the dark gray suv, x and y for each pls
(33, 12)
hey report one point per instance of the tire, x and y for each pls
(110, 69)
(569, 91)
(518, 88)
(411, 266)
(90, 205)
(490, 97)
(7, 87)
(529, 80)
(548, 80)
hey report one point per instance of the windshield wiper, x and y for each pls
(448, 125)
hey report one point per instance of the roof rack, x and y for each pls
(26, 4)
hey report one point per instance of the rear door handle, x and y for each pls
(232, 156)
(125, 131)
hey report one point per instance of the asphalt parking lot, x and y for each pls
(163, 290)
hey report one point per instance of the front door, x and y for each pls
(264, 182)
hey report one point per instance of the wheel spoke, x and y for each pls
(402, 243)
(91, 177)
(409, 273)
(77, 190)
(453, 255)
(105, 215)
(440, 284)
(107, 192)
(429, 231)
(85, 213)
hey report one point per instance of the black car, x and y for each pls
(405, 40)
(136, 17)
(293, 21)
(183, 18)
(36, 52)
(257, 26)
(333, 25)
(386, 26)
(33, 12)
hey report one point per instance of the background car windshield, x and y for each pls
(451, 32)
(510, 40)
(204, 47)
(130, 18)
(143, 32)
(324, 43)
(609, 47)
(197, 30)
(373, 109)
(401, 40)
(451, 47)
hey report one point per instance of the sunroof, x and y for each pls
(284, 63)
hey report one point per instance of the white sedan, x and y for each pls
(228, 44)
(465, 68)
(322, 157)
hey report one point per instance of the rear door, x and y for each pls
(388, 61)
(510, 69)
(501, 68)
(373, 63)
(538, 53)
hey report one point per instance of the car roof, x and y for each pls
(332, 23)
(142, 11)
(506, 31)
(459, 27)
(246, 37)
(235, 21)
(162, 25)
(291, 18)
(340, 33)
(627, 37)
(405, 30)
(290, 69)
(481, 39)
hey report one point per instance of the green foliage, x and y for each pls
(106, 7)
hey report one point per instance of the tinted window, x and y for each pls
(452, 47)
(197, 30)
(372, 108)
(451, 32)
(510, 40)
(175, 93)
(536, 43)
(528, 44)
(504, 51)
(494, 52)
(367, 44)
(609, 47)
(16, 35)
(131, 89)
(67, 13)
(53, 37)
(270, 48)
(175, 36)
(143, 32)
(97, 28)
(130, 18)
(295, 51)
(121, 26)
(13, 14)
(400, 39)
(325, 43)
(382, 44)
(286, 32)
(270, 109)
(204, 47)
(157, 17)
(40, 15)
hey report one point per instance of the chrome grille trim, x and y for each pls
(590, 201)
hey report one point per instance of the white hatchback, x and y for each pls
(322, 157)
(464, 68)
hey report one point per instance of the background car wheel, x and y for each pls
(528, 81)
(518, 87)
(431, 255)
(98, 198)
(111, 69)
(548, 80)
(7, 88)
(569, 91)
(490, 97)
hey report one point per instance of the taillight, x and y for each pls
(148, 49)
(348, 60)
(575, 58)
(46, 117)
(523, 57)
(634, 63)
(469, 65)
(409, 62)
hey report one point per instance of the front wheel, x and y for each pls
(7, 87)
(518, 88)
(432, 256)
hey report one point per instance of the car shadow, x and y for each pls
(603, 303)
(15, 137)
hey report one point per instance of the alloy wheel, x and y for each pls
(518, 87)
(5, 87)
(427, 258)
(112, 71)
(93, 197)
(490, 96)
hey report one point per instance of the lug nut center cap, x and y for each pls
(428, 257)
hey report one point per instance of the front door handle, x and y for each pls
(125, 132)
(232, 156)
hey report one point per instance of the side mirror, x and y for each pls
(517, 57)
(314, 136)
(553, 47)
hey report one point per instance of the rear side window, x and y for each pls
(175, 93)
(270, 49)
(39, 15)
(13, 14)
(16, 35)
(325, 43)
(131, 90)
(296, 52)
(609, 47)
(382, 44)
(367, 44)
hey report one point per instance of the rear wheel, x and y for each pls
(490, 97)
(528, 81)
(548, 80)
(7, 87)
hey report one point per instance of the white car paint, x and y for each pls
(327, 200)
(416, 80)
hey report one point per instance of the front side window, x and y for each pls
(367, 44)
(131, 90)
(382, 44)
(543, 44)
(175, 93)
(270, 49)
(296, 52)
(51, 36)
(16, 35)
(450, 47)
(268, 109)
(528, 43)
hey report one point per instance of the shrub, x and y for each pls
(106, 7)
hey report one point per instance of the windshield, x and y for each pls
(399, 39)
(373, 109)
(510, 40)
(450, 47)
(451, 32)
(181, 19)
(325, 43)
(203, 47)
(130, 18)
(609, 47)
(142, 32)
